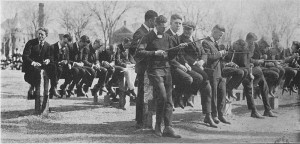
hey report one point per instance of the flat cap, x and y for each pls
(251, 36)
(161, 19)
(219, 27)
(189, 24)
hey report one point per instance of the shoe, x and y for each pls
(169, 132)
(53, 92)
(285, 89)
(85, 88)
(30, 93)
(157, 130)
(271, 94)
(103, 89)
(216, 120)
(230, 94)
(70, 93)
(223, 120)
(255, 114)
(63, 92)
(269, 113)
(131, 92)
(181, 103)
(80, 93)
(208, 119)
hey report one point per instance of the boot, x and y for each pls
(223, 120)
(189, 101)
(169, 132)
(269, 113)
(53, 92)
(80, 92)
(95, 90)
(208, 119)
(30, 94)
(157, 130)
(216, 120)
(255, 114)
(63, 91)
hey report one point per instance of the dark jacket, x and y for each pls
(179, 55)
(106, 56)
(89, 56)
(214, 57)
(141, 64)
(153, 44)
(121, 56)
(193, 52)
(57, 54)
(33, 52)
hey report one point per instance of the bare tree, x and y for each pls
(108, 14)
(30, 21)
(283, 20)
(75, 21)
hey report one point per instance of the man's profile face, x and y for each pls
(97, 45)
(188, 31)
(161, 28)
(217, 34)
(41, 35)
(176, 24)
(82, 44)
(64, 42)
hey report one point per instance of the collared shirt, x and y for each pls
(41, 43)
(212, 38)
(59, 45)
(191, 38)
(148, 29)
(155, 31)
(174, 32)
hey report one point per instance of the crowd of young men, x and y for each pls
(177, 65)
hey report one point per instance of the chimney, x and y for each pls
(124, 23)
(41, 15)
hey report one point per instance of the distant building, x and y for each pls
(122, 33)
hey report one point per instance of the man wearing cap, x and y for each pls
(194, 60)
(60, 63)
(153, 48)
(218, 83)
(90, 60)
(140, 66)
(180, 78)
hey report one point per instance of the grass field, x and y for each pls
(79, 120)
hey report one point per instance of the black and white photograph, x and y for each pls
(150, 71)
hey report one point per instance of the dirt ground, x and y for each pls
(79, 120)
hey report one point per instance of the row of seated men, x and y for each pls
(79, 63)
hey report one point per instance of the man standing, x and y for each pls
(36, 55)
(59, 63)
(153, 48)
(218, 83)
(141, 65)
(89, 59)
